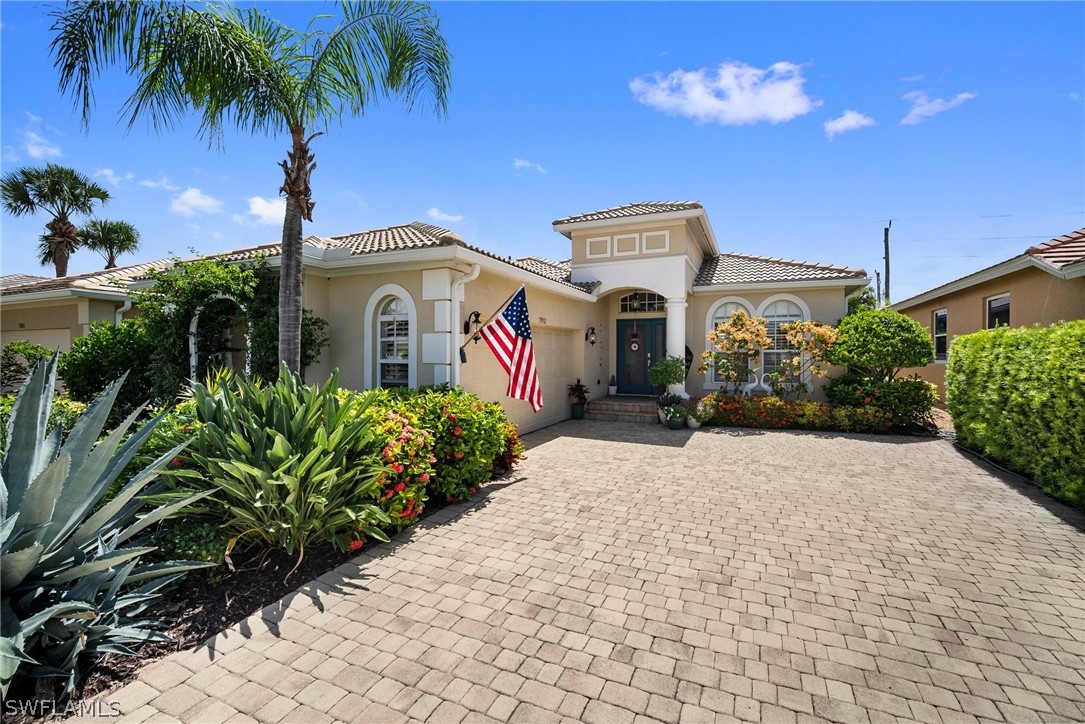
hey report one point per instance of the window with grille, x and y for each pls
(776, 316)
(642, 302)
(393, 355)
(742, 360)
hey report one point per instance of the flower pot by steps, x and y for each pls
(676, 423)
(612, 390)
(578, 411)
(693, 424)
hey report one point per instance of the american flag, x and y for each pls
(509, 336)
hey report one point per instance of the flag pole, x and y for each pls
(475, 336)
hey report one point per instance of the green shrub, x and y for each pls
(908, 399)
(17, 359)
(64, 413)
(467, 435)
(291, 464)
(107, 353)
(512, 453)
(879, 343)
(772, 413)
(73, 581)
(194, 540)
(1017, 396)
(407, 450)
(667, 371)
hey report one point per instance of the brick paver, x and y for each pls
(630, 573)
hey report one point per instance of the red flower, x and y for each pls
(424, 477)
(356, 544)
(867, 400)
(452, 418)
(388, 494)
(186, 429)
(398, 467)
(474, 490)
(400, 487)
(457, 431)
(458, 454)
(177, 462)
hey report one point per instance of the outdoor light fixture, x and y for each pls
(590, 337)
(472, 317)
(635, 302)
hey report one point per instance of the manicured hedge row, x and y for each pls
(1017, 396)
(772, 413)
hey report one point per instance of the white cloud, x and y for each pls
(163, 183)
(734, 94)
(112, 178)
(519, 164)
(918, 78)
(849, 121)
(924, 107)
(1073, 96)
(438, 215)
(192, 201)
(10, 154)
(267, 211)
(37, 146)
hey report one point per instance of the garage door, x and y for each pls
(49, 338)
(554, 360)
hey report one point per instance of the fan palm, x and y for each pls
(61, 192)
(239, 67)
(110, 239)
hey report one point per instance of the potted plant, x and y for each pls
(667, 399)
(676, 416)
(612, 386)
(579, 392)
(669, 371)
(700, 411)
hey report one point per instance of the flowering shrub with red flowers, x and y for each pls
(408, 453)
(513, 452)
(909, 399)
(772, 413)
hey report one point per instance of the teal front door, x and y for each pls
(640, 343)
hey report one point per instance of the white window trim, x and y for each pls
(806, 317)
(934, 336)
(666, 234)
(987, 308)
(587, 247)
(636, 244)
(710, 381)
(370, 370)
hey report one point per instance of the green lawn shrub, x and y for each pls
(65, 412)
(879, 343)
(908, 399)
(107, 353)
(772, 413)
(1017, 396)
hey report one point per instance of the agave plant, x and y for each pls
(72, 582)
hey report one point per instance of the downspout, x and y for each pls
(457, 284)
(119, 315)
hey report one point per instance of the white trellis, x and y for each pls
(194, 324)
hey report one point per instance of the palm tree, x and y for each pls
(240, 67)
(110, 239)
(61, 192)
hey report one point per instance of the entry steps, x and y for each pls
(623, 409)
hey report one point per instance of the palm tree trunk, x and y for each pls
(296, 170)
(62, 240)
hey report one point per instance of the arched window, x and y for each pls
(393, 348)
(721, 314)
(776, 315)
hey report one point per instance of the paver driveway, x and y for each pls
(629, 573)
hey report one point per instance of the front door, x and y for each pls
(640, 343)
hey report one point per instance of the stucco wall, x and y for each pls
(41, 322)
(1036, 297)
(677, 242)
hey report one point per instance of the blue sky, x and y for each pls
(801, 127)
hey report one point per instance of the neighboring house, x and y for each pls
(643, 281)
(1044, 285)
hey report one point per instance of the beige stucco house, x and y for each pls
(642, 281)
(1043, 285)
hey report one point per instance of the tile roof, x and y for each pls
(750, 269)
(14, 280)
(1063, 251)
(628, 210)
(415, 235)
(103, 280)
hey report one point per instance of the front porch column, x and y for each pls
(676, 337)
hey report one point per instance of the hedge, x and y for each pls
(1017, 396)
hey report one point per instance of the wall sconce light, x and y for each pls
(473, 317)
(635, 302)
(590, 337)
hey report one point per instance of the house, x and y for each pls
(1043, 285)
(643, 281)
